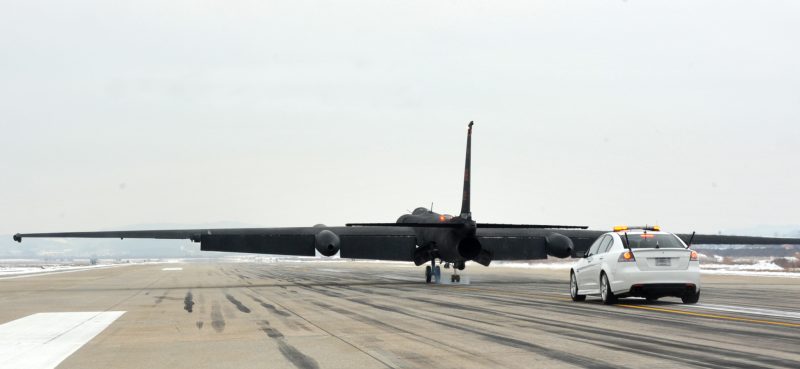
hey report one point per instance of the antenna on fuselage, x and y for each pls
(465, 211)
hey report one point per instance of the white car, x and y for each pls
(638, 262)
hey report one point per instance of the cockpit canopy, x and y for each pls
(420, 211)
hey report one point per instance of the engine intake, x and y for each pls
(469, 248)
(327, 243)
(558, 245)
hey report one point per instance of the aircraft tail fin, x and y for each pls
(465, 210)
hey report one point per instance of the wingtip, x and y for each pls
(18, 237)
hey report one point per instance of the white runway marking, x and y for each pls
(44, 340)
(747, 310)
(172, 269)
(43, 272)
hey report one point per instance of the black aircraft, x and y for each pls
(422, 236)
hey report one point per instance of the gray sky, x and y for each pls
(279, 113)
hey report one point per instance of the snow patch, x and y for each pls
(761, 265)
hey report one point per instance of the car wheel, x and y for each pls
(605, 290)
(573, 288)
(691, 298)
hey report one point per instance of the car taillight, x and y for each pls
(694, 256)
(626, 256)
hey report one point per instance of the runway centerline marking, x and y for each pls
(712, 316)
(44, 340)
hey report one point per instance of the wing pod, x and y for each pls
(558, 245)
(327, 242)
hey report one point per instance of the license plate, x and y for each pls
(663, 262)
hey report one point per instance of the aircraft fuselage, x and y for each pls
(454, 242)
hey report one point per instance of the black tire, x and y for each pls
(458, 278)
(691, 298)
(605, 291)
(437, 274)
(428, 274)
(573, 289)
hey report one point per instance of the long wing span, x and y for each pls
(392, 241)
(382, 243)
(540, 226)
(510, 243)
(422, 225)
(711, 239)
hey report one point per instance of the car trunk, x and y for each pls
(662, 259)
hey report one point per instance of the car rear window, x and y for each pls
(653, 241)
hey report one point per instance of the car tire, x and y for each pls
(605, 290)
(691, 298)
(573, 288)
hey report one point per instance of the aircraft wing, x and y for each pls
(534, 243)
(713, 239)
(381, 243)
(526, 244)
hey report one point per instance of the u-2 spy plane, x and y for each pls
(420, 237)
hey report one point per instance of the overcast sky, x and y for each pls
(291, 113)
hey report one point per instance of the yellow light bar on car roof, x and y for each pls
(645, 228)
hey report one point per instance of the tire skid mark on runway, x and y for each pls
(291, 353)
(652, 346)
(217, 320)
(712, 316)
(563, 356)
(655, 320)
(239, 305)
(324, 330)
(546, 326)
(188, 302)
(271, 308)
(748, 310)
(651, 318)
(625, 339)
(160, 299)
(593, 309)
(459, 350)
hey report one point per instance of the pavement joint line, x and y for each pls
(712, 316)
(329, 333)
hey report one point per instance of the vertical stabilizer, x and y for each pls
(465, 210)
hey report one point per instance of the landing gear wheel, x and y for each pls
(691, 298)
(605, 291)
(437, 274)
(428, 274)
(573, 289)
(458, 278)
(455, 278)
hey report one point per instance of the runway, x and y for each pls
(343, 314)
